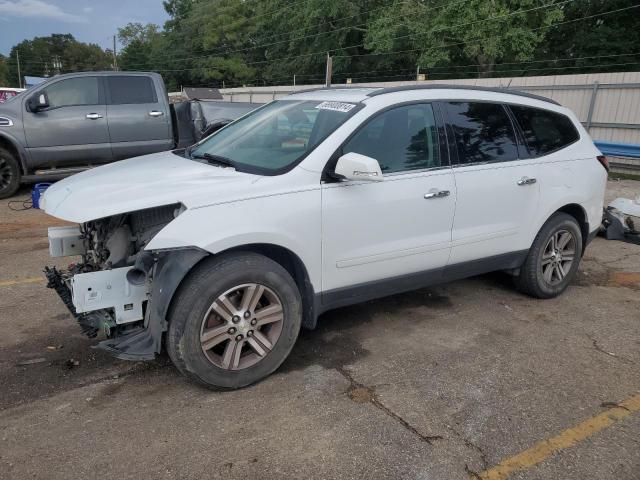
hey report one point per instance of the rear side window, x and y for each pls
(483, 132)
(403, 138)
(544, 131)
(124, 89)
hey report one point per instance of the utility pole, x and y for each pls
(115, 55)
(57, 65)
(19, 76)
(294, 81)
(327, 78)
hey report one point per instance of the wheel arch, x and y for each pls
(293, 264)
(279, 254)
(579, 213)
(10, 144)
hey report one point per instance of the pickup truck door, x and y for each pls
(138, 115)
(73, 130)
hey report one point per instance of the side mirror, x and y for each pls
(353, 166)
(38, 101)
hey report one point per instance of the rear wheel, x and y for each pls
(9, 174)
(553, 259)
(234, 321)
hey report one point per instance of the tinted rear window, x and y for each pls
(131, 89)
(544, 131)
(483, 132)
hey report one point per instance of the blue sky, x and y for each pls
(91, 21)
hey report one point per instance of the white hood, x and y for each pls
(142, 182)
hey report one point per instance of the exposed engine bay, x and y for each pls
(109, 289)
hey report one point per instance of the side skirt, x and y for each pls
(342, 297)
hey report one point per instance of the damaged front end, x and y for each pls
(119, 290)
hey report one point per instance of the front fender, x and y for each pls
(14, 142)
(291, 221)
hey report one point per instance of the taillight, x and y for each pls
(604, 161)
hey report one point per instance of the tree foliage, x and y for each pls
(479, 32)
(267, 42)
(57, 53)
(4, 71)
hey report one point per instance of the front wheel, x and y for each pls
(553, 259)
(9, 174)
(234, 321)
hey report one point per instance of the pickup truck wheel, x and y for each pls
(553, 259)
(234, 321)
(9, 174)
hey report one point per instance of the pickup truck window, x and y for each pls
(130, 89)
(73, 91)
(273, 139)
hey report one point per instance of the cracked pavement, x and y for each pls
(441, 383)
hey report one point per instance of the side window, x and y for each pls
(483, 132)
(73, 91)
(130, 89)
(544, 131)
(401, 139)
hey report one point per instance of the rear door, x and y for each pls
(139, 119)
(497, 190)
(73, 130)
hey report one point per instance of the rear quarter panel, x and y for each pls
(572, 175)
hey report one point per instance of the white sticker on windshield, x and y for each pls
(336, 106)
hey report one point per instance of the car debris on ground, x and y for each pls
(621, 220)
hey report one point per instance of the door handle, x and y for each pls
(437, 194)
(155, 113)
(526, 181)
(93, 116)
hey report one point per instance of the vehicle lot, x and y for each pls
(445, 382)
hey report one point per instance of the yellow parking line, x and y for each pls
(565, 439)
(7, 283)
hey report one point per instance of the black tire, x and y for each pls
(9, 174)
(530, 279)
(206, 283)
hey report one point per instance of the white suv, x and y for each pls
(319, 200)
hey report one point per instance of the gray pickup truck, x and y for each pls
(76, 121)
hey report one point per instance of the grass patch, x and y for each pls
(623, 176)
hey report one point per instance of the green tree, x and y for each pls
(4, 72)
(593, 38)
(57, 53)
(301, 33)
(140, 46)
(480, 32)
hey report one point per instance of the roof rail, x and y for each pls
(336, 87)
(441, 86)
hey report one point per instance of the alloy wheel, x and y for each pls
(241, 326)
(558, 256)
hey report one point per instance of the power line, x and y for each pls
(447, 27)
(556, 24)
(347, 27)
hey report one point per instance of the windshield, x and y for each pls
(274, 138)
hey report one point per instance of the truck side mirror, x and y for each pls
(38, 101)
(354, 166)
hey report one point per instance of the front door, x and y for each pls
(73, 130)
(388, 236)
(498, 192)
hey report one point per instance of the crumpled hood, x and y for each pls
(142, 182)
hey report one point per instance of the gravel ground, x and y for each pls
(441, 383)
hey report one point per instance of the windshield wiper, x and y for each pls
(217, 159)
